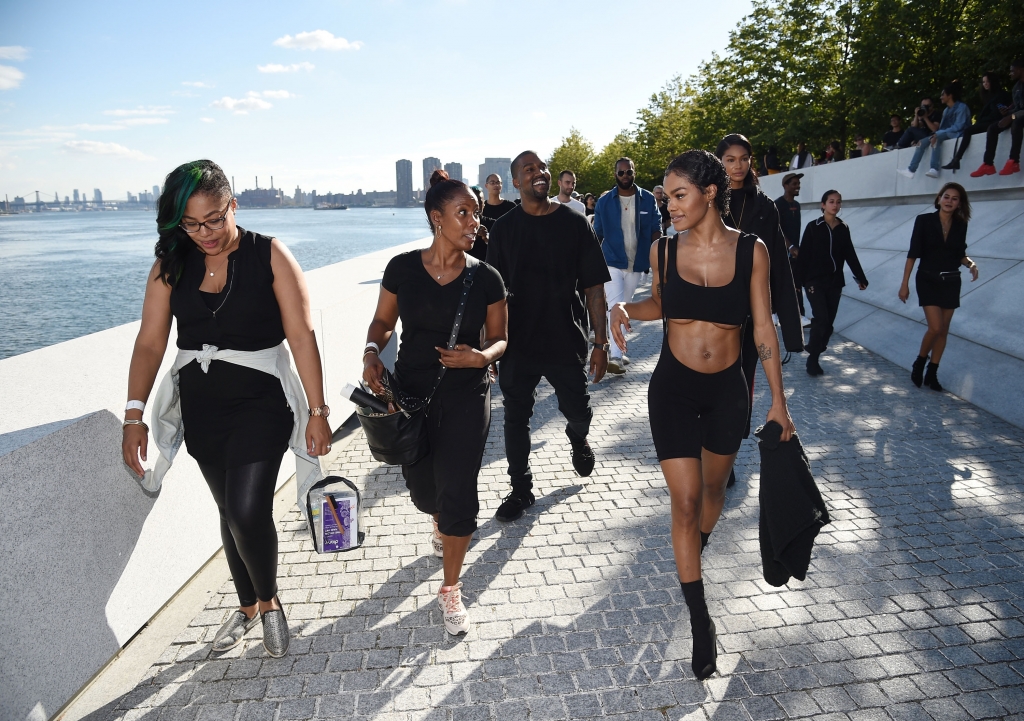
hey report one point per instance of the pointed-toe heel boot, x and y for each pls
(931, 377)
(917, 371)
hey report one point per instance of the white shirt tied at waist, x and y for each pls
(169, 432)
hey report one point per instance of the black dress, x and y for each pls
(938, 275)
(232, 415)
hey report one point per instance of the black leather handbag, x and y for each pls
(400, 438)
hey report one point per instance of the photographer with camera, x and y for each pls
(926, 121)
(955, 120)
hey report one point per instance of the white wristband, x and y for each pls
(135, 406)
(371, 344)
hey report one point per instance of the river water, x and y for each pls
(64, 275)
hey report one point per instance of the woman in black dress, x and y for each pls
(423, 288)
(236, 296)
(940, 241)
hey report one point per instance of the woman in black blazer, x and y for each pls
(940, 241)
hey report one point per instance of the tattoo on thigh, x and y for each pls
(764, 352)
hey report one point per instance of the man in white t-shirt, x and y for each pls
(567, 184)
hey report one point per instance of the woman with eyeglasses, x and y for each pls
(236, 296)
(495, 206)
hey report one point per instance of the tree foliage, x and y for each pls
(812, 71)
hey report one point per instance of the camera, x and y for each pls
(921, 112)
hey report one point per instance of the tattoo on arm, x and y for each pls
(764, 352)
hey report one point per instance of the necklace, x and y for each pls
(223, 263)
(743, 209)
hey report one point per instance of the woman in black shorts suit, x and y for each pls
(940, 241)
(236, 296)
(698, 399)
(423, 288)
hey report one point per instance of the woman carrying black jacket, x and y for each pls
(751, 211)
(825, 247)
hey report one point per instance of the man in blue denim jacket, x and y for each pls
(956, 118)
(627, 221)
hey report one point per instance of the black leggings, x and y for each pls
(245, 499)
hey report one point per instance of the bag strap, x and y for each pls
(662, 249)
(472, 264)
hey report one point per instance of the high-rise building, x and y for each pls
(403, 182)
(97, 196)
(503, 168)
(76, 195)
(156, 191)
(454, 170)
(429, 166)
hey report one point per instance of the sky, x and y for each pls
(324, 95)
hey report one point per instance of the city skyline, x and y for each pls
(323, 95)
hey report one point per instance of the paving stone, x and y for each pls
(913, 605)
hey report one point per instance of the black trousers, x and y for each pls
(445, 480)
(518, 380)
(245, 499)
(965, 140)
(992, 139)
(824, 301)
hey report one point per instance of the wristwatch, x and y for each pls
(602, 346)
(324, 410)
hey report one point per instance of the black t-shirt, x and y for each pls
(491, 213)
(890, 139)
(427, 311)
(789, 219)
(546, 262)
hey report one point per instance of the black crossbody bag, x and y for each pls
(400, 438)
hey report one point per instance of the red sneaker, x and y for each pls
(985, 169)
(1011, 167)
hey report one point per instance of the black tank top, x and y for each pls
(724, 304)
(244, 316)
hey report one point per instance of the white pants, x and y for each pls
(618, 290)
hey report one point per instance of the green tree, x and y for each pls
(574, 153)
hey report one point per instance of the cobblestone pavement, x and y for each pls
(912, 608)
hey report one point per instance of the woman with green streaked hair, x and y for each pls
(230, 395)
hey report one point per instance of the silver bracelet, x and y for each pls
(130, 422)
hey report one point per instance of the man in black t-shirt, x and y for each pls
(891, 139)
(546, 254)
(495, 206)
(789, 221)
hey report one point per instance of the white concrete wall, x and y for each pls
(984, 359)
(86, 556)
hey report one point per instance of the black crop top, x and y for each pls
(244, 315)
(723, 304)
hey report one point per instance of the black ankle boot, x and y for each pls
(704, 539)
(930, 378)
(953, 164)
(705, 646)
(917, 371)
(813, 367)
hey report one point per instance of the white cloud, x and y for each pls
(277, 68)
(10, 78)
(241, 106)
(317, 40)
(93, 127)
(279, 94)
(13, 52)
(92, 147)
(538, 114)
(144, 121)
(197, 84)
(208, 120)
(147, 111)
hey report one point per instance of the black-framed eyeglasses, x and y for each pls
(493, 182)
(625, 172)
(215, 224)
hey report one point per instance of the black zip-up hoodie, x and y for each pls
(756, 213)
(823, 250)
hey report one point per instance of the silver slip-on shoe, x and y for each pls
(275, 633)
(233, 631)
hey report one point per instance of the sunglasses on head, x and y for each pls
(624, 172)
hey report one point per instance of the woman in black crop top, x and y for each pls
(423, 288)
(234, 290)
(714, 277)
(940, 241)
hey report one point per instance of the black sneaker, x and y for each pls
(514, 505)
(813, 367)
(582, 456)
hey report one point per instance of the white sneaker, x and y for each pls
(435, 542)
(616, 366)
(932, 173)
(905, 172)
(625, 361)
(456, 618)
